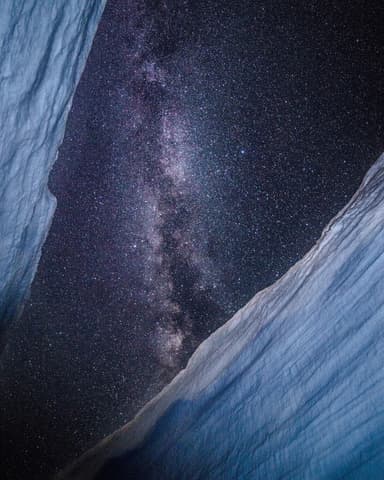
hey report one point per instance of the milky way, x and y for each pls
(208, 144)
(169, 235)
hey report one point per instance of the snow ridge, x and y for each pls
(291, 387)
(43, 49)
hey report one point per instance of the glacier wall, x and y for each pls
(43, 49)
(291, 387)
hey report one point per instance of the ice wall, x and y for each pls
(43, 48)
(291, 387)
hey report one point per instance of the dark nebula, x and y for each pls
(208, 145)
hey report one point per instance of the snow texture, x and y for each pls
(291, 387)
(43, 49)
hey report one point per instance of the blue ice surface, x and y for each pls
(43, 49)
(292, 387)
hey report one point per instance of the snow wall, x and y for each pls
(43, 48)
(292, 387)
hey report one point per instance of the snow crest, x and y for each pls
(43, 49)
(291, 387)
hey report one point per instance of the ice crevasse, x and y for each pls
(291, 387)
(43, 49)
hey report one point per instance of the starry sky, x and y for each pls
(208, 145)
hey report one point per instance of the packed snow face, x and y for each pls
(291, 387)
(43, 49)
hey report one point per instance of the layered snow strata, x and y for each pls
(43, 49)
(291, 387)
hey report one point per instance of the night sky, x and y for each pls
(208, 145)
